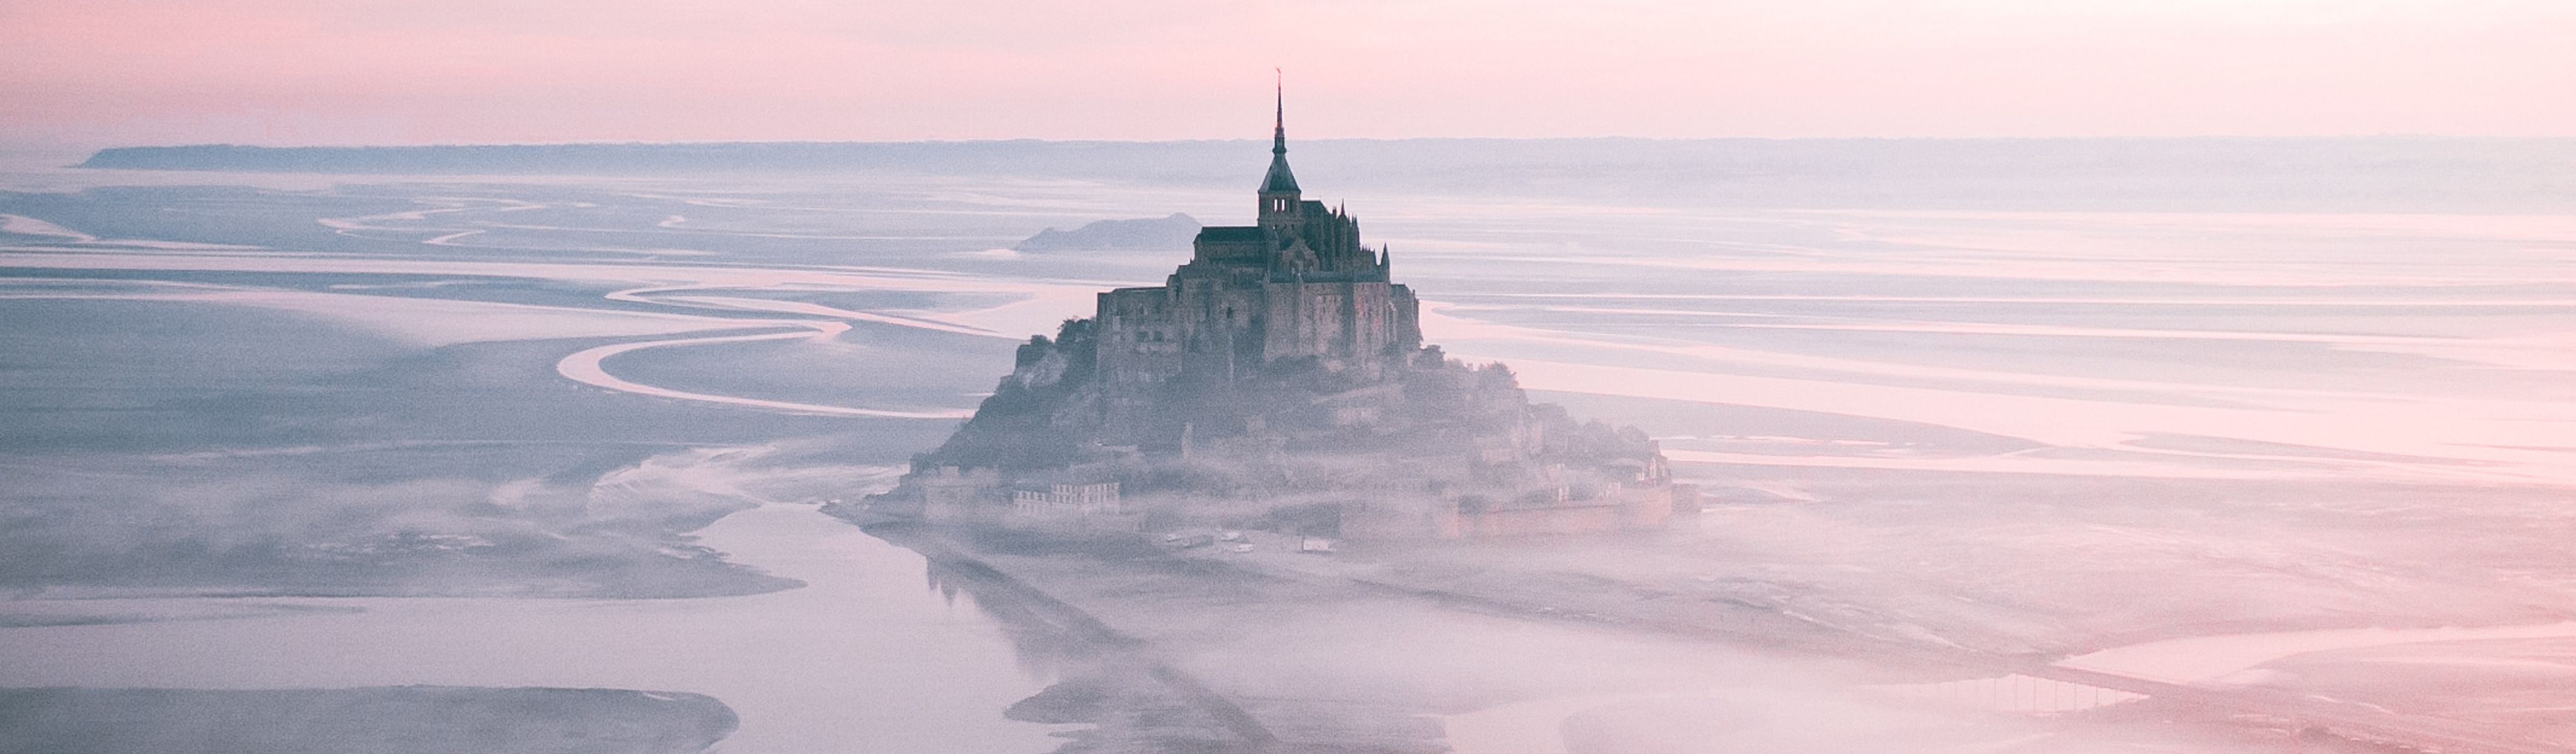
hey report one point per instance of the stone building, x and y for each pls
(1278, 375)
(1297, 284)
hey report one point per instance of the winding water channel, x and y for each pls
(864, 658)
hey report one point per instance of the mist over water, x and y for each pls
(560, 430)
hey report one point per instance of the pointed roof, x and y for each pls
(1280, 180)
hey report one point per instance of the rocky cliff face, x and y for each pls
(1434, 429)
(1043, 415)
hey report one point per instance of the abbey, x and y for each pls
(1279, 375)
(1298, 284)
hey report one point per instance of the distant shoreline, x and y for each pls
(2329, 174)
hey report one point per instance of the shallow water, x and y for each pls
(2204, 659)
(2162, 356)
(865, 657)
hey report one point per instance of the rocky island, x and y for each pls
(1278, 381)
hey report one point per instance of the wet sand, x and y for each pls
(864, 656)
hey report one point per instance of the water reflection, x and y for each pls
(859, 659)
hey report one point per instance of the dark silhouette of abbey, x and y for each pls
(1296, 285)
(1280, 369)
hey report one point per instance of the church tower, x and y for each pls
(1280, 214)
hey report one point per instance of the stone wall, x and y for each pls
(1348, 325)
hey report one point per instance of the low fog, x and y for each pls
(2118, 446)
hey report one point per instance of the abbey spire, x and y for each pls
(1279, 193)
(1279, 122)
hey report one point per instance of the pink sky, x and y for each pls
(101, 72)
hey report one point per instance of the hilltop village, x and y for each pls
(1278, 380)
